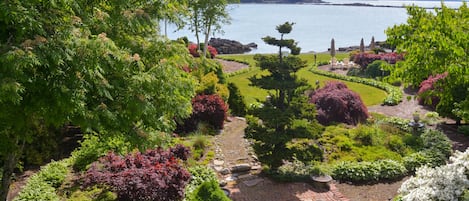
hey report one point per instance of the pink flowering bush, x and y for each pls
(427, 87)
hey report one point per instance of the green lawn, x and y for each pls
(369, 95)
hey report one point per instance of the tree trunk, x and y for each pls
(8, 169)
(207, 34)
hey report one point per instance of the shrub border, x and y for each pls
(394, 93)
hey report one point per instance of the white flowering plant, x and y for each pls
(447, 182)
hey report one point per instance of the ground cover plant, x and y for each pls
(375, 152)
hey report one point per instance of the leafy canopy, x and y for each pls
(434, 43)
(100, 65)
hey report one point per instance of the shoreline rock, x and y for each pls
(225, 46)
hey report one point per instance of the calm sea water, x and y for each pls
(315, 25)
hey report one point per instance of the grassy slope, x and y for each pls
(369, 95)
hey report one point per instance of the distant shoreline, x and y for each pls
(324, 3)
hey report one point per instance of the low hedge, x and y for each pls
(394, 93)
(368, 171)
(42, 186)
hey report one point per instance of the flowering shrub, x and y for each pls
(364, 59)
(153, 175)
(210, 50)
(427, 87)
(336, 103)
(446, 182)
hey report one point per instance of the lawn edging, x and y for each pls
(394, 93)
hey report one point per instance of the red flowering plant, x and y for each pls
(193, 50)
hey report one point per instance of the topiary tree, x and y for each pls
(285, 118)
(372, 43)
(335, 103)
(362, 46)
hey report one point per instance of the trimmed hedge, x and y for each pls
(368, 171)
(394, 93)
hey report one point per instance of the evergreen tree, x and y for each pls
(236, 101)
(284, 128)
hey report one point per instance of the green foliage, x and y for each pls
(464, 130)
(377, 69)
(42, 185)
(199, 175)
(203, 185)
(208, 191)
(101, 66)
(236, 102)
(93, 147)
(438, 142)
(394, 93)
(435, 42)
(368, 171)
(297, 171)
(37, 190)
(415, 160)
(465, 195)
(304, 149)
(93, 194)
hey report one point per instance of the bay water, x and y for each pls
(315, 25)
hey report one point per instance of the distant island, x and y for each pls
(321, 2)
(282, 1)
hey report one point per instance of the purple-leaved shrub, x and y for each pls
(336, 103)
(154, 175)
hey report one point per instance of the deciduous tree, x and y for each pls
(206, 17)
(434, 43)
(100, 66)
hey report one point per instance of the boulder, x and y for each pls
(241, 168)
(225, 46)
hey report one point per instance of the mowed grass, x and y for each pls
(370, 95)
